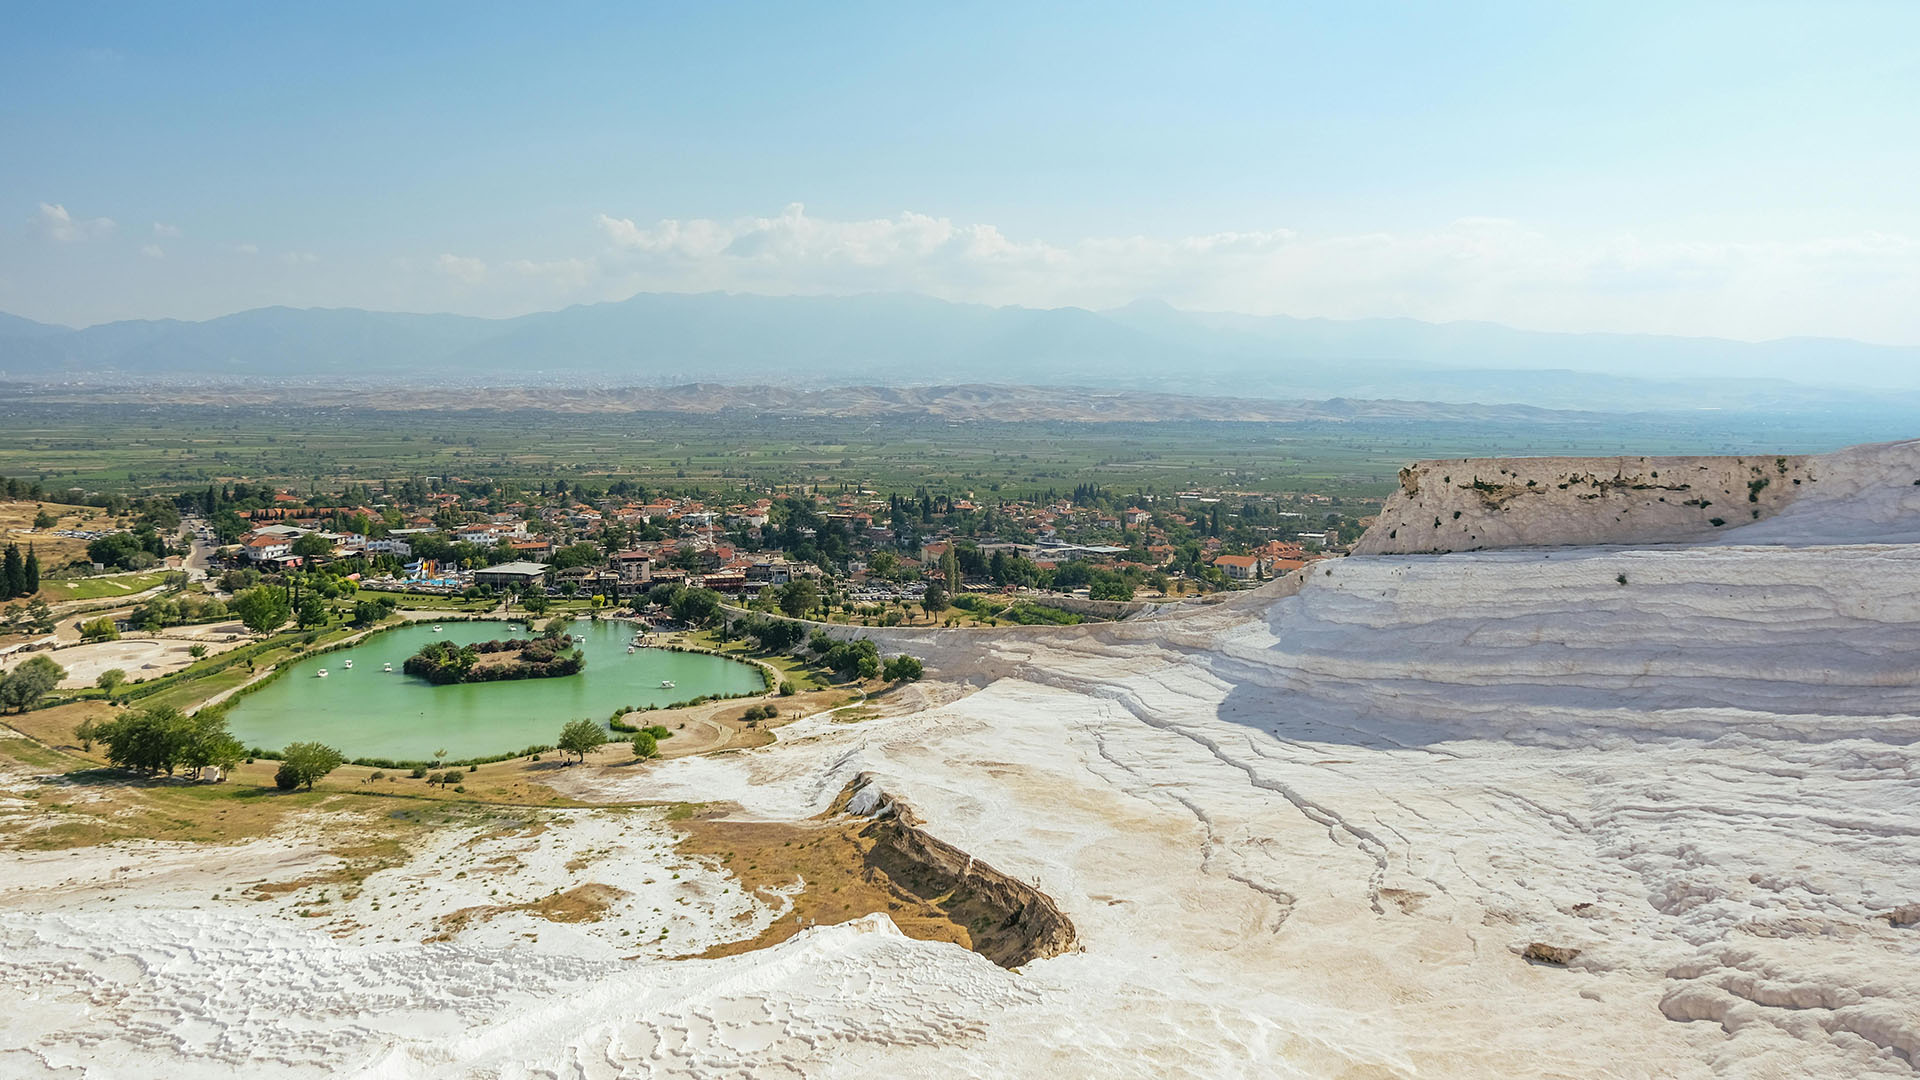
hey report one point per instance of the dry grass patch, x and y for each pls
(836, 860)
(582, 903)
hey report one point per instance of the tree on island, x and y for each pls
(263, 608)
(305, 762)
(580, 738)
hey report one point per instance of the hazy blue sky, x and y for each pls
(1744, 169)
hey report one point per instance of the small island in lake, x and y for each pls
(548, 657)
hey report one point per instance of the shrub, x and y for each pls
(644, 745)
(786, 688)
(418, 771)
(307, 762)
(903, 668)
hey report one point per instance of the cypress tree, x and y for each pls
(33, 573)
(13, 574)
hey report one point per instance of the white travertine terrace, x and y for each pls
(1307, 832)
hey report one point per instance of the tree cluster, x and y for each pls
(161, 738)
(23, 687)
(19, 574)
(853, 659)
(545, 657)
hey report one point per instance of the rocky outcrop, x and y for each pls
(1476, 504)
(1010, 921)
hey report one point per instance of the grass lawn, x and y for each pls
(93, 588)
(802, 675)
(428, 601)
(79, 801)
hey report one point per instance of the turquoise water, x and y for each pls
(364, 712)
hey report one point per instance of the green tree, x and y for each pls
(581, 554)
(13, 574)
(312, 546)
(645, 745)
(903, 668)
(536, 601)
(303, 763)
(313, 611)
(45, 520)
(30, 584)
(580, 738)
(100, 629)
(799, 597)
(263, 608)
(110, 678)
(23, 687)
(696, 607)
(935, 601)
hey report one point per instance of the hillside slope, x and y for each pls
(1640, 810)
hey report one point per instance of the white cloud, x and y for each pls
(462, 268)
(299, 258)
(167, 232)
(1476, 268)
(152, 251)
(60, 226)
(246, 249)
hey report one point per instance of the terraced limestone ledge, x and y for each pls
(1027, 926)
(1477, 504)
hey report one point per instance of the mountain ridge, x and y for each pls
(908, 338)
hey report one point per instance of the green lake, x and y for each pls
(366, 712)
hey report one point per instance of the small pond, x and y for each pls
(366, 712)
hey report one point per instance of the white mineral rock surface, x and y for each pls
(1307, 832)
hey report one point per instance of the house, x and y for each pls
(511, 575)
(266, 547)
(390, 545)
(1239, 567)
(1136, 516)
(634, 567)
(536, 550)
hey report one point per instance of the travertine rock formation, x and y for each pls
(1477, 504)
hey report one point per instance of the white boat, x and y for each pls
(665, 684)
(629, 650)
(389, 667)
(436, 629)
(348, 665)
(322, 673)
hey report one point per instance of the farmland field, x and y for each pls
(131, 449)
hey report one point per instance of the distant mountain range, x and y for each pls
(662, 339)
